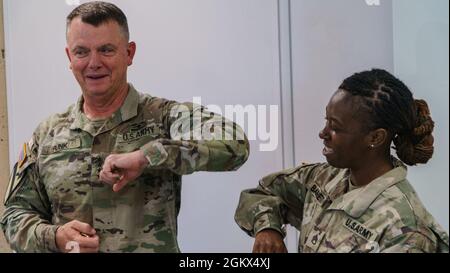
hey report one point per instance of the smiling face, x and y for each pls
(99, 57)
(346, 142)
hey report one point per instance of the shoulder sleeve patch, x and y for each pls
(21, 165)
(25, 157)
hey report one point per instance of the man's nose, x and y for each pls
(95, 61)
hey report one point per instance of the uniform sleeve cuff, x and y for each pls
(47, 237)
(264, 222)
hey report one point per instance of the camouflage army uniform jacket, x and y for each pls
(57, 180)
(384, 216)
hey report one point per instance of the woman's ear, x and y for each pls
(377, 138)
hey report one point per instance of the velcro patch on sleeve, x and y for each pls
(21, 165)
(23, 155)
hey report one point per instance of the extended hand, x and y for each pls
(269, 241)
(77, 236)
(119, 169)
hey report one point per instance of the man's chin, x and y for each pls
(95, 92)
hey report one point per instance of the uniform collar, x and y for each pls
(357, 201)
(127, 111)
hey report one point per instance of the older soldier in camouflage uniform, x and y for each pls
(106, 174)
(360, 201)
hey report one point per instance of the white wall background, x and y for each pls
(331, 40)
(421, 61)
(288, 53)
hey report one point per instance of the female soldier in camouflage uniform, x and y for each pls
(360, 201)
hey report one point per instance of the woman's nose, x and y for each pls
(323, 134)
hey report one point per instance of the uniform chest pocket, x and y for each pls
(66, 172)
(353, 236)
(134, 136)
(356, 244)
(343, 244)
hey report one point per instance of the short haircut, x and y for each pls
(97, 13)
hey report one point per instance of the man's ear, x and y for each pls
(377, 138)
(131, 50)
(68, 56)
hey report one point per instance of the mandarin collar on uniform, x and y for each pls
(127, 111)
(357, 201)
(129, 107)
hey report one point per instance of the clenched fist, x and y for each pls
(269, 241)
(120, 169)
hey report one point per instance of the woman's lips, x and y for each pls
(327, 151)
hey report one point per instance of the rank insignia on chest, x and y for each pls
(74, 143)
(314, 239)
